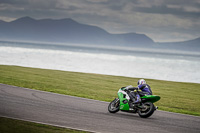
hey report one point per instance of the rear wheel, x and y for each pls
(113, 107)
(147, 111)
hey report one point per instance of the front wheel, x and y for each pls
(148, 110)
(113, 107)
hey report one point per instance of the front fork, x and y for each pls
(117, 102)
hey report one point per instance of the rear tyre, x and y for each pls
(113, 107)
(147, 111)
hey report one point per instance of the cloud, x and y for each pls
(179, 11)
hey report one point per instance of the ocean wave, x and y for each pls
(172, 69)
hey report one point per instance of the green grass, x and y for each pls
(175, 96)
(8, 125)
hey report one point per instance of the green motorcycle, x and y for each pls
(145, 109)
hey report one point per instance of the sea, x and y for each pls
(147, 63)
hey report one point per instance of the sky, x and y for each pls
(161, 20)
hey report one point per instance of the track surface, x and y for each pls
(92, 115)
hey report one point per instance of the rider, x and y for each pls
(142, 85)
(134, 96)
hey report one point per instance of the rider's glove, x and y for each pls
(137, 89)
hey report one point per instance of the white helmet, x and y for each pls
(141, 81)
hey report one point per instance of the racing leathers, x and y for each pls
(133, 92)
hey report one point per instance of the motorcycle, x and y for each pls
(123, 103)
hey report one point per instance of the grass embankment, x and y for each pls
(8, 125)
(175, 96)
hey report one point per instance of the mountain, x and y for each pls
(190, 45)
(66, 31)
(69, 31)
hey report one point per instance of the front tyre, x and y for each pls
(113, 107)
(148, 110)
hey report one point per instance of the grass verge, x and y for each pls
(175, 96)
(8, 125)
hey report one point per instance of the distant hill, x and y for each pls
(69, 31)
(66, 30)
(190, 45)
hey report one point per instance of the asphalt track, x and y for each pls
(85, 114)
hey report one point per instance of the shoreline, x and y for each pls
(101, 74)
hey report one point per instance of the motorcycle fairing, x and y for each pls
(151, 98)
(124, 99)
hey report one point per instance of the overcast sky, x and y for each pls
(161, 20)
